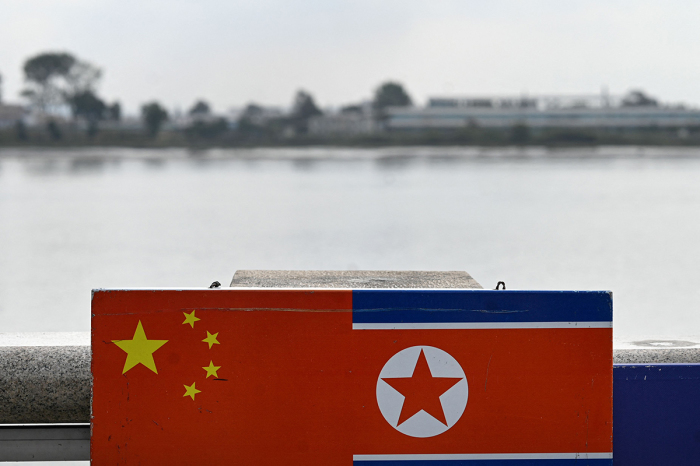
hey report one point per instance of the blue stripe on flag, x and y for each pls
(480, 306)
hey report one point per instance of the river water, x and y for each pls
(626, 220)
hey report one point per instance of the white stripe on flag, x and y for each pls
(475, 325)
(486, 456)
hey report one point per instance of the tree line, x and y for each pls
(56, 82)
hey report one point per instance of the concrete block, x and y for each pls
(351, 279)
(45, 384)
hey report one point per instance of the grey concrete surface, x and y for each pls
(657, 356)
(44, 384)
(657, 351)
(351, 279)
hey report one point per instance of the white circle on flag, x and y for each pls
(445, 369)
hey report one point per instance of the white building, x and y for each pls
(538, 112)
(343, 124)
(11, 114)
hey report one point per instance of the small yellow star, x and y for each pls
(139, 350)
(211, 339)
(191, 391)
(190, 319)
(211, 370)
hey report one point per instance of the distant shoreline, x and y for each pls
(341, 153)
(71, 136)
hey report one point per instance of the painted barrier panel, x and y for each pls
(657, 414)
(333, 377)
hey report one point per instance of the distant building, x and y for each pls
(351, 120)
(11, 114)
(340, 124)
(599, 111)
(129, 124)
(259, 115)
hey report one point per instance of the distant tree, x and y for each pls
(54, 78)
(21, 131)
(252, 112)
(200, 108)
(251, 119)
(153, 116)
(114, 112)
(349, 109)
(638, 98)
(260, 123)
(207, 129)
(303, 108)
(391, 94)
(42, 73)
(87, 106)
(45, 66)
(54, 131)
(82, 77)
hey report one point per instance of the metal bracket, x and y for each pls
(45, 442)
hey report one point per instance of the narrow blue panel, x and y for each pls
(529, 462)
(413, 306)
(656, 414)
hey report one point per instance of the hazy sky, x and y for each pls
(231, 52)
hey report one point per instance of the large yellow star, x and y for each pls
(191, 391)
(190, 319)
(139, 350)
(211, 370)
(211, 339)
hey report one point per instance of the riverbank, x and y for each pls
(70, 136)
(339, 153)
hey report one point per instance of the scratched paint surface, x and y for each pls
(234, 371)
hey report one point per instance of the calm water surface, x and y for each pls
(71, 221)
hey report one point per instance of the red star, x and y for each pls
(422, 391)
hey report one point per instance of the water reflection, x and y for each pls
(395, 161)
(156, 163)
(305, 163)
(89, 164)
(125, 217)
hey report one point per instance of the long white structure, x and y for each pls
(545, 111)
(11, 114)
(417, 118)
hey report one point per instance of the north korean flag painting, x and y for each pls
(351, 377)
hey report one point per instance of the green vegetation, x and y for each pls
(200, 108)
(391, 94)
(56, 80)
(303, 109)
(217, 134)
(153, 116)
(67, 110)
(202, 131)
